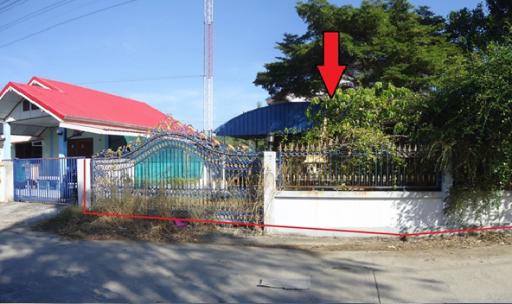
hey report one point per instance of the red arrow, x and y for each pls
(331, 71)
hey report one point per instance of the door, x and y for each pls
(80, 147)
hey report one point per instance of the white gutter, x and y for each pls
(96, 130)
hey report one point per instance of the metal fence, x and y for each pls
(45, 180)
(180, 176)
(341, 169)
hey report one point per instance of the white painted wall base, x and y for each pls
(390, 211)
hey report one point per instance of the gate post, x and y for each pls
(6, 181)
(7, 139)
(269, 185)
(83, 177)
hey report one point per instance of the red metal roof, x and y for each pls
(70, 102)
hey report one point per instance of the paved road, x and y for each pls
(38, 267)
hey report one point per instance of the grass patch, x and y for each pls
(71, 223)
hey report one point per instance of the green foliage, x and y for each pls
(469, 124)
(467, 28)
(499, 19)
(380, 41)
(453, 78)
(474, 29)
(365, 118)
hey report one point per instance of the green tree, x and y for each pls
(467, 28)
(473, 29)
(428, 17)
(499, 19)
(380, 41)
(468, 121)
(365, 118)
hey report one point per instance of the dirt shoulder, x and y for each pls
(71, 224)
(442, 242)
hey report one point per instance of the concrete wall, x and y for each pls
(383, 211)
(391, 211)
(6, 181)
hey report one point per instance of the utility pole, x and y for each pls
(208, 68)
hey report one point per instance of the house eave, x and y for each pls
(99, 129)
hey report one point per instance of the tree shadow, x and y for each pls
(39, 267)
(429, 215)
(416, 215)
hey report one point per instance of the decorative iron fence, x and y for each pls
(45, 180)
(340, 169)
(180, 176)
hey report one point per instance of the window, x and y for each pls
(27, 150)
(27, 106)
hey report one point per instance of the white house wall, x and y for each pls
(50, 141)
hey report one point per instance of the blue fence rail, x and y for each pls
(46, 180)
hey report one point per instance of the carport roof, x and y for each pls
(275, 118)
(75, 104)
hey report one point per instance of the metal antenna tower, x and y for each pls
(208, 68)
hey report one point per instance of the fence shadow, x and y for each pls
(41, 268)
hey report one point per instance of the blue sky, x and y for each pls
(155, 38)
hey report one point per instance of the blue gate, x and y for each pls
(46, 180)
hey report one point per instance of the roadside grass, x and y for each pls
(71, 223)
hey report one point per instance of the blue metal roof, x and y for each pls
(270, 119)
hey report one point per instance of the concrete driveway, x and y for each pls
(39, 267)
(24, 214)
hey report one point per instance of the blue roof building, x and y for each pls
(272, 119)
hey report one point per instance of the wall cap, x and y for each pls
(435, 195)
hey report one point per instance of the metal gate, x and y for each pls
(45, 180)
(179, 175)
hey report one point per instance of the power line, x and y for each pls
(143, 79)
(65, 22)
(11, 5)
(34, 14)
(6, 4)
